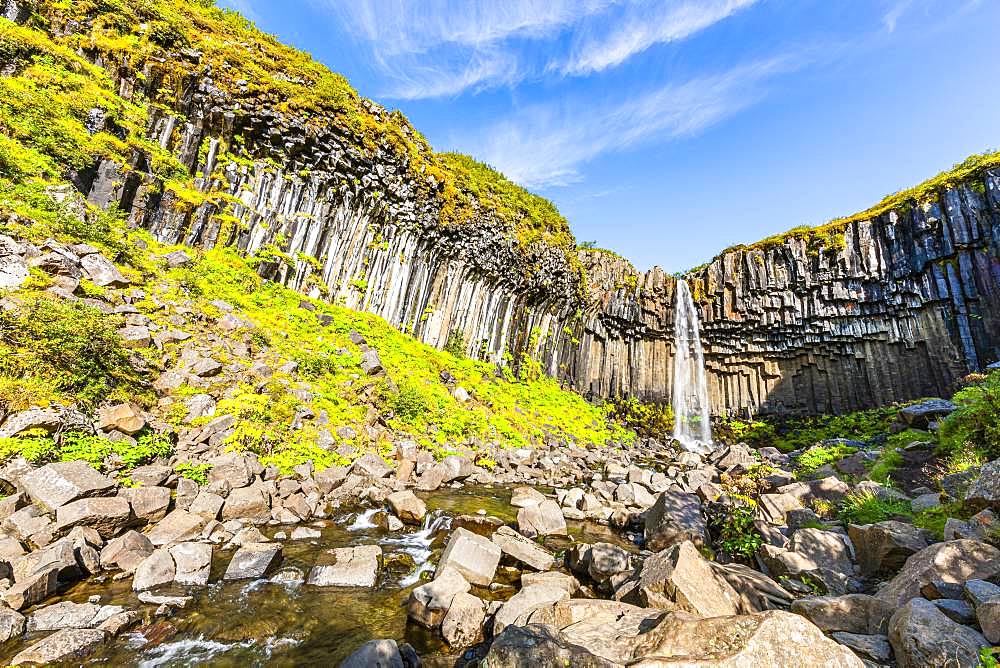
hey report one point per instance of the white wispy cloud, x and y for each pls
(546, 145)
(641, 26)
(440, 48)
(894, 13)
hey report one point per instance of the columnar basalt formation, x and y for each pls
(908, 305)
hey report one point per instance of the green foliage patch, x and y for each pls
(821, 455)
(70, 347)
(975, 426)
(867, 507)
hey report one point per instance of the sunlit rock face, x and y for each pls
(907, 306)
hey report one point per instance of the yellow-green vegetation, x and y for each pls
(535, 218)
(801, 433)
(933, 519)
(45, 104)
(830, 236)
(95, 450)
(70, 352)
(645, 418)
(196, 472)
(53, 350)
(890, 459)
(972, 432)
(821, 455)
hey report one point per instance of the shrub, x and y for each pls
(975, 424)
(72, 347)
(867, 507)
(647, 419)
(456, 343)
(735, 531)
(195, 472)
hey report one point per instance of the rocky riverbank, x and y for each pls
(506, 576)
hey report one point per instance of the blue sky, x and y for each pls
(669, 130)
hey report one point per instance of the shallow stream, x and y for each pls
(259, 622)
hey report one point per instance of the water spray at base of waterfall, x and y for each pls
(692, 426)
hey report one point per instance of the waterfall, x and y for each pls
(690, 395)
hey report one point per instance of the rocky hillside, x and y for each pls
(208, 133)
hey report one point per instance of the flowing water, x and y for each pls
(288, 623)
(690, 392)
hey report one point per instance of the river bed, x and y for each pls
(261, 622)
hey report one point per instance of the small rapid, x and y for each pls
(418, 544)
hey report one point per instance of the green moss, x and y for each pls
(820, 455)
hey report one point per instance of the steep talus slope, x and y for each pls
(250, 144)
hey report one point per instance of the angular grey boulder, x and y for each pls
(472, 555)
(57, 484)
(675, 518)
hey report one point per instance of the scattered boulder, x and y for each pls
(64, 615)
(545, 519)
(249, 503)
(177, 527)
(952, 561)
(472, 555)
(463, 624)
(922, 414)
(126, 552)
(375, 654)
(523, 549)
(984, 492)
(850, 613)
(253, 560)
(921, 635)
(57, 484)
(347, 567)
(106, 514)
(517, 608)
(11, 624)
(193, 562)
(538, 645)
(149, 504)
(679, 578)
(407, 506)
(126, 418)
(61, 646)
(102, 271)
(675, 518)
(883, 548)
(155, 570)
(371, 465)
(429, 603)
(772, 638)
(525, 497)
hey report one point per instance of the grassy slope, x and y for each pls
(412, 399)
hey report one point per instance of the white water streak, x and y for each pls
(690, 396)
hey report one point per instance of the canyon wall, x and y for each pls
(910, 303)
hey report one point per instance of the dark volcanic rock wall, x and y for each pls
(910, 303)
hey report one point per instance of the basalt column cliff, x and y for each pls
(885, 308)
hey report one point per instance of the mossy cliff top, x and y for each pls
(79, 53)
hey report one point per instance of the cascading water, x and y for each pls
(690, 395)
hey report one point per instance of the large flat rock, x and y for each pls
(57, 484)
